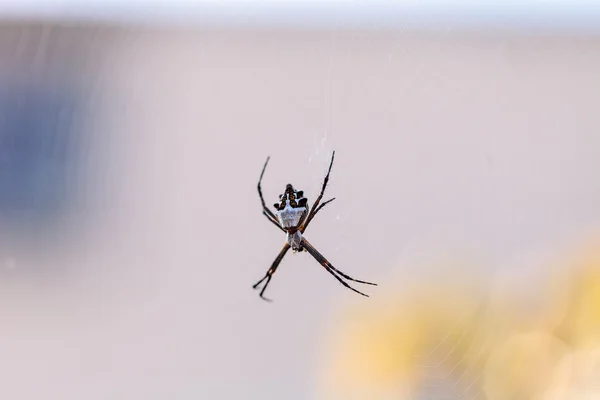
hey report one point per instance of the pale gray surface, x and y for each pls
(490, 138)
(505, 15)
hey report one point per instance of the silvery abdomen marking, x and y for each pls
(290, 217)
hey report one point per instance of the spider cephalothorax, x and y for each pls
(293, 216)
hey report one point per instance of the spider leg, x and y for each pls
(315, 207)
(324, 204)
(309, 218)
(268, 213)
(330, 268)
(273, 221)
(309, 247)
(344, 283)
(271, 271)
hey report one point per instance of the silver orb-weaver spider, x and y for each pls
(292, 217)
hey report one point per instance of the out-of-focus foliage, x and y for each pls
(511, 338)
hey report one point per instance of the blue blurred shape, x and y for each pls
(37, 152)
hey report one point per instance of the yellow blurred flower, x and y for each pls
(524, 367)
(531, 337)
(581, 325)
(392, 347)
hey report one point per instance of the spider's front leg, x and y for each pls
(316, 207)
(266, 212)
(312, 215)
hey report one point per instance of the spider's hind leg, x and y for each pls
(331, 269)
(271, 271)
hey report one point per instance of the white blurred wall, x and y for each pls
(478, 137)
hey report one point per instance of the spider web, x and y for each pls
(385, 208)
(444, 373)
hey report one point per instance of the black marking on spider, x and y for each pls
(292, 217)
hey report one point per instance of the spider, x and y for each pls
(293, 217)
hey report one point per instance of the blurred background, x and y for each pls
(132, 136)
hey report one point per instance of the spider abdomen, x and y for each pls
(291, 217)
